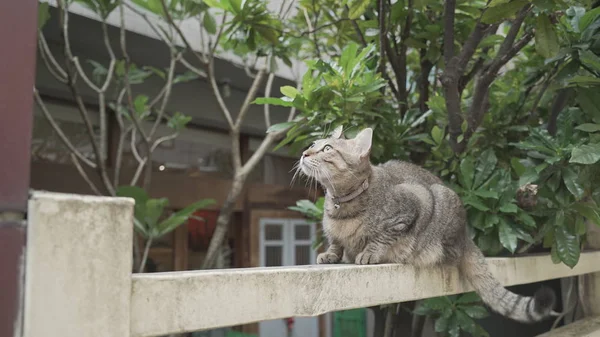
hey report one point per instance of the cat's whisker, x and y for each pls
(296, 173)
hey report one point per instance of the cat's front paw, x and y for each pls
(367, 258)
(328, 258)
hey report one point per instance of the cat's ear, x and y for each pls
(362, 142)
(337, 133)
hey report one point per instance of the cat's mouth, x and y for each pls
(307, 167)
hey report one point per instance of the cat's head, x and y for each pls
(336, 161)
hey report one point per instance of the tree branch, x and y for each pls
(215, 87)
(147, 162)
(382, 35)
(466, 78)
(471, 44)
(167, 92)
(59, 131)
(561, 100)
(426, 66)
(312, 34)
(180, 33)
(450, 78)
(84, 174)
(403, 48)
(480, 94)
(149, 22)
(51, 64)
(268, 88)
(118, 161)
(71, 60)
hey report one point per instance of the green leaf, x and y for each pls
(43, 14)
(216, 4)
(475, 311)
(154, 209)
(178, 121)
(575, 13)
(554, 254)
(289, 91)
(567, 246)
(139, 195)
(521, 234)
(495, 3)
(530, 175)
(441, 324)
(570, 179)
(517, 166)
(485, 167)
(475, 202)
(469, 298)
(585, 154)
(453, 327)
(467, 171)
(589, 101)
(437, 135)
(588, 127)
(584, 81)
(526, 219)
(208, 22)
(280, 127)
(185, 77)
(588, 18)
(502, 11)
(546, 40)
(589, 210)
(488, 194)
(508, 208)
(580, 225)
(273, 101)
(507, 236)
(357, 8)
(141, 228)
(140, 104)
(182, 216)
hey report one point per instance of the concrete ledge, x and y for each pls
(164, 303)
(78, 274)
(587, 327)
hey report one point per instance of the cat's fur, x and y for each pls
(405, 215)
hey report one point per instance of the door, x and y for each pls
(287, 242)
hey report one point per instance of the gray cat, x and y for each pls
(398, 212)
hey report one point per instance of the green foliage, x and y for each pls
(101, 7)
(313, 212)
(454, 314)
(345, 91)
(541, 123)
(43, 14)
(488, 192)
(149, 219)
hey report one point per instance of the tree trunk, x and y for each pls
(223, 221)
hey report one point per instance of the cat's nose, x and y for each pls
(305, 154)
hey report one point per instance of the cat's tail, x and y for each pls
(520, 308)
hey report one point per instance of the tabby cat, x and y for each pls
(398, 212)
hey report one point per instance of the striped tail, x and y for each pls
(520, 308)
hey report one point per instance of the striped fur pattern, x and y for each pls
(406, 215)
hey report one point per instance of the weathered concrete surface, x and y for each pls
(78, 274)
(587, 327)
(187, 301)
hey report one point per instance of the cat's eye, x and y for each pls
(327, 148)
(311, 146)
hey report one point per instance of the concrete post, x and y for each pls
(589, 284)
(78, 274)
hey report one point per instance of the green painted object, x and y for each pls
(350, 323)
